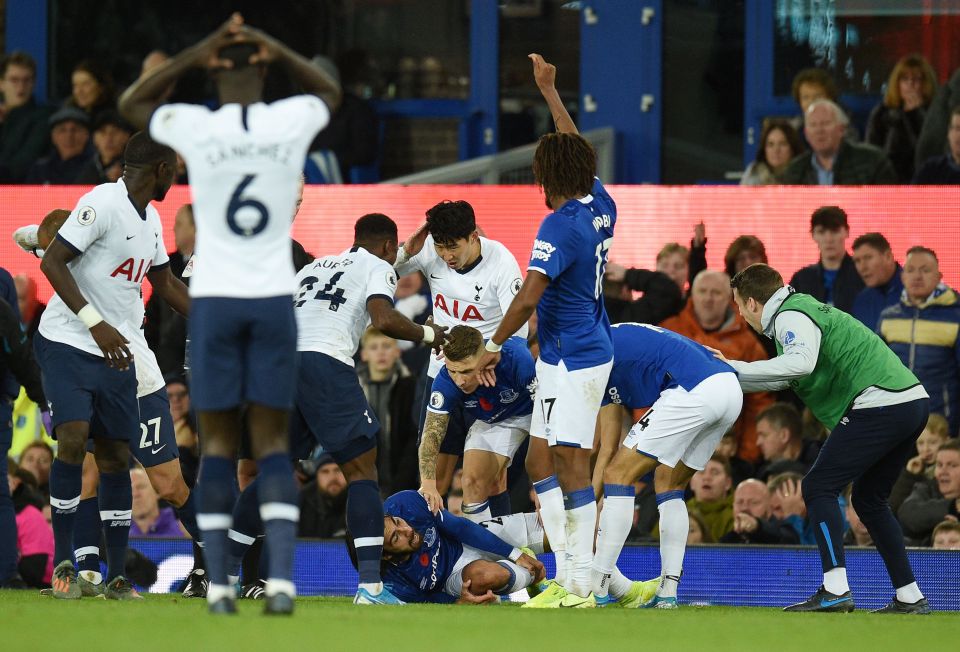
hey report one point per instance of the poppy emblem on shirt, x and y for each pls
(424, 560)
(485, 404)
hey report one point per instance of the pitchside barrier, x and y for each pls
(649, 217)
(747, 576)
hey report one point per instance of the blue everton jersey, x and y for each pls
(512, 396)
(649, 359)
(427, 569)
(571, 249)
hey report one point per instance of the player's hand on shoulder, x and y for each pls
(113, 345)
(466, 597)
(428, 489)
(486, 368)
(414, 242)
(717, 353)
(533, 565)
(545, 74)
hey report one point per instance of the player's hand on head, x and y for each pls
(615, 273)
(533, 565)
(414, 242)
(208, 50)
(545, 74)
(113, 345)
(486, 368)
(440, 336)
(467, 597)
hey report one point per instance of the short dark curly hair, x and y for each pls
(450, 221)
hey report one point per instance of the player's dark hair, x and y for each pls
(832, 218)
(757, 282)
(923, 250)
(144, 151)
(873, 239)
(374, 227)
(738, 246)
(450, 221)
(564, 165)
(462, 342)
(238, 54)
(783, 415)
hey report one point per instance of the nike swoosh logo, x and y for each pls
(432, 276)
(118, 514)
(154, 451)
(131, 237)
(830, 603)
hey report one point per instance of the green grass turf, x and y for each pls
(174, 624)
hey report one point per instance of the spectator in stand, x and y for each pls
(698, 532)
(184, 426)
(164, 328)
(753, 521)
(780, 437)
(674, 261)
(711, 496)
(93, 89)
(390, 389)
(149, 519)
(710, 319)
(880, 273)
(810, 85)
(34, 534)
(944, 169)
(857, 535)
(744, 251)
(323, 502)
(661, 296)
(786, 503)
(833, 160)
(894, 125)
(931, 141)
(922, 329)
(922, 467)
(779, 144)
(680, 264)
(935, 500)
(833, 279)
(24, 132)
(37, 458)
(110, 135)
(31, 308)
(70, 134)
(946, 536)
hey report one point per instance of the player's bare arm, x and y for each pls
(434, 430)
(517, 315)
(414, 242)
(171, 289)
(143, 97)
(545, 74)
(111, 342)
(387, 320)
(609, 429)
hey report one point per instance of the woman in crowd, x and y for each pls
(779, 143)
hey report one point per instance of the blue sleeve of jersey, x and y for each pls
(555, 246)
(444, 395)
(524, 370)
(469, 533)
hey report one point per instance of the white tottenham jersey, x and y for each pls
(244, 166)
(115, 249)
(149, 377)
(331, 303)
(478, 297)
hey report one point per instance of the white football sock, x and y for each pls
(554, 520)
(674, 528)
(909, 593)
(620, 584)
(616, 518)
(835, 581)
(477, 512)
(217, 591)
(581, 525)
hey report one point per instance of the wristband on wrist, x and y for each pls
(492, 346)
(516, 554)
(427, 335)
(89, 316)
(402, 256)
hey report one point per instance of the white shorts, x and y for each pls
(566, 404)
(687, 426)
(518, 530)
(503, 438)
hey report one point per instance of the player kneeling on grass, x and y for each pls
(439, 557)
(695, 399)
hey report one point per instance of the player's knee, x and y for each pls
(485, 576)
(71, 443)
(867, 504)
(474, 486)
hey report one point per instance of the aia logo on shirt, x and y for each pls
(462, 311)
(132, 270)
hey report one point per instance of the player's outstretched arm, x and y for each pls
(545, 74)
(111, 342)
(394, 324)
(518, 314)
(143, 97)
(434, 430)
(171, 289)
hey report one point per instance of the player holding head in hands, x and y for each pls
(874, 407)
(244, 161)
(96, 265)
(563, 284)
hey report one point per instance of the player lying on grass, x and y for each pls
(440, 557)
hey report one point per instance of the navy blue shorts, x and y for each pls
(155, 442)
(332, 407)
(242, 350)
(80, 385)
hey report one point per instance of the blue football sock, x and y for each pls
(116, 503)
(246, 527)
(500, 504)
(214, 517)
(365, 522)
(86, 535)
(65, 483)
(187, 513)
(279, 512)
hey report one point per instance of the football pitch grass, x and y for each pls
(172, 623)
